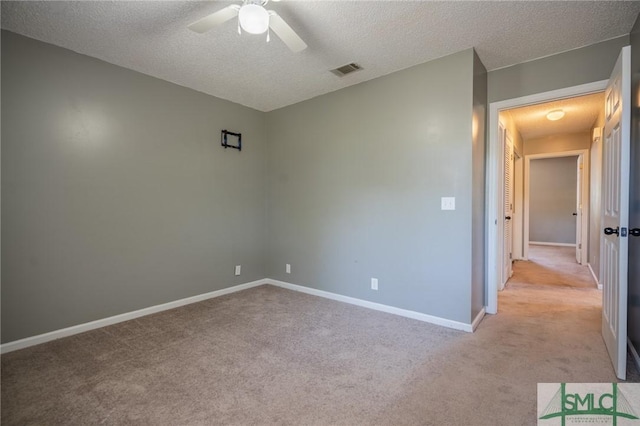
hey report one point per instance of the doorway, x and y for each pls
(496, 172)
(556, 201)
(546, 195)
(613, 231)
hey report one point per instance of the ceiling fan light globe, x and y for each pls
(254, 18)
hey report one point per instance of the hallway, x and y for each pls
(556, 299)
(552, 266)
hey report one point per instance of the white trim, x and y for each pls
(494, 208)
(380, 307)
(593, 274)
(81, 328)
(518, 207)
(542, 243)
(477, 319)
(634, 353)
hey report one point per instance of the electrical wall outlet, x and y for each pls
(238, 269)
(448, 203)
(287, 268)
(374, 283)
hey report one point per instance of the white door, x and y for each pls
(508, 208)
(578, 212)
(615, 211)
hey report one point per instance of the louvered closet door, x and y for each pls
(508, 207)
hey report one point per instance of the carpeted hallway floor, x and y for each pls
(552, 265)
(274, 356)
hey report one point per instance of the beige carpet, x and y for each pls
(552, 265)
(273, 356)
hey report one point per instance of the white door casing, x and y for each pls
(518, 206)
(615, 211)
(578, 212)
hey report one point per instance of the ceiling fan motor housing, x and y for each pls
(253, 18)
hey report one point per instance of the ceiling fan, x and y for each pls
(254, 19)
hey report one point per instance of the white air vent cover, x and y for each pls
(346, 69)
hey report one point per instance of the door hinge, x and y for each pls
(580, 246)
(623, 232)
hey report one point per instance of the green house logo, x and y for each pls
(589, 406)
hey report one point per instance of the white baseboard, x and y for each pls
(542, 243)
(380, 307)
(477, 319)
(634, 353)
(593, 274)
(81, 328)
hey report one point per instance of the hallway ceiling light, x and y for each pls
(555, 115)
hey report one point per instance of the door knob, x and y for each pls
(507, 217)
(635, 232)
(574, 214)
(610, 231)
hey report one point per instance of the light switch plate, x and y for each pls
(448, 203)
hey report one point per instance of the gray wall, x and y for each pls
(478, 260)
(634, 202)
(572, 68)
(116, 195)
(354, 187)
(558, 143)
(552, 200)
(115, 192)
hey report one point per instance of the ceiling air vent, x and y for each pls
(346, 69)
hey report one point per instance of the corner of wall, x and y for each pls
(479, 148)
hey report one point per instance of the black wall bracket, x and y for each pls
(227, 141)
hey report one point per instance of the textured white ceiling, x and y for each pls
(580, 115)
(382, 36)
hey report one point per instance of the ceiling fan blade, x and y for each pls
(286, 33)
(208, 22)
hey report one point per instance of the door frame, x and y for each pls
(518, 204)
(495, 175)
(584, 189)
